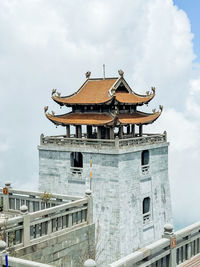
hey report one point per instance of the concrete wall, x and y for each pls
(119, 187)
(66, 250)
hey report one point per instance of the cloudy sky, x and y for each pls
(49, 44)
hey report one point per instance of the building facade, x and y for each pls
(126, 169)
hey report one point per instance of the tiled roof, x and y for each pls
(92, 92)
(138, 118)
(193, 262)
(81, 119)
(98, 119)
(100, 91)
(129, 98)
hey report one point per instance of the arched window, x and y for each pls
(145, 157)
(146, 205)
(76, 159)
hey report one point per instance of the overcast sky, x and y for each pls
(49, 44)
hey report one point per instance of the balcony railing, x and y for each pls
(42, 218)
(145, 169)
(146, 139)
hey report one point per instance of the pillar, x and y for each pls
(128, 129)
(6, 205)
(78, 131)
(88, 194)
(89, 131)
(99, 132)
(133, 130)
(68, 131)
(140, 130)
(169, 234)
(120, 131)
(26, 225)
(111, 133)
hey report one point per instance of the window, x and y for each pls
(145, 157)
(146, 205)
(76, 159)
(145, 161)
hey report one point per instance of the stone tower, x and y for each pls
(126, 169)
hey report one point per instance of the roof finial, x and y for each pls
(121, 73)
(104, 71)
(87, 75)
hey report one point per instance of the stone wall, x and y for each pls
(68, 249)
(119, 187)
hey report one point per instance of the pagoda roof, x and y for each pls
(100, 119)
(103, 91)
(96, 119)
(138, 118)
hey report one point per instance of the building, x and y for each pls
(108, 152)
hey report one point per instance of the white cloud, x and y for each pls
(47, 44)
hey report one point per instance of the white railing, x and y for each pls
(26, 226)
(136, 141)
(170, 251)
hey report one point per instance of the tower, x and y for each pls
(126, 169)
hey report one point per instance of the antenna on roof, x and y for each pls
(104, 71)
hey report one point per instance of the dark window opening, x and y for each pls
(121, 88)
(76, 160)
(146, 205)
(145, 157)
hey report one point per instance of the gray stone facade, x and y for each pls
(119, 186)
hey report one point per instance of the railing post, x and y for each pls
(189, 250)
(168, 233)
(88, 194)
(117, 142)
(3, 252)
(6, 196)
(90, 263)
(26, 225)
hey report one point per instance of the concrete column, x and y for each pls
(99, 132)
(120, 131)
(68, 131)
(168, 233)
(128, 129)
(133, 130)
(26, 225)
(76, 131)
(6, 204)
(140, 130)
(89, 131)
(111, 133)
(88, 194)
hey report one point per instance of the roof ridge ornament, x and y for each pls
(87, 75)
(121, 73)
(53, 91)
(45, 109)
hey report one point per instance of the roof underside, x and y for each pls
(97, 119)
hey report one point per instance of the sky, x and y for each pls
(49, 44)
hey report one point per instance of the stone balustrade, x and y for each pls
(22, 222)
(170, 251)
(126, 141)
